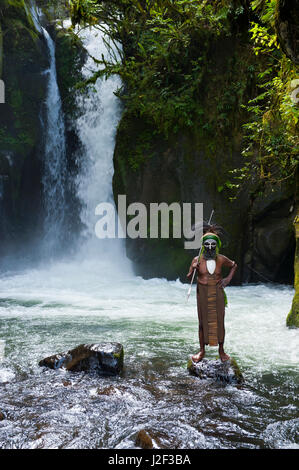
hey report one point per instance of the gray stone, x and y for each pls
(102, 358)
(226, 372)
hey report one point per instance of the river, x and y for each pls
(52, 309)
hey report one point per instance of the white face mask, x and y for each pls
(210, 244)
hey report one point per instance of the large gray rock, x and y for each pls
(102, 358)
(227, 372)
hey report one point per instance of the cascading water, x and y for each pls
(96, 128)
(85, 300)
(55, 164)
(54, 158)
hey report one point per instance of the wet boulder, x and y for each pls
(101, 358)
(144, 440)
(227, 372)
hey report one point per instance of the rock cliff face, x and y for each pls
(23, 65)
(271, 245)
(24, 58)
(260, 236)
(178, 170)
(193, 166)
(287, 24)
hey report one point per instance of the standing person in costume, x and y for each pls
(211, 298)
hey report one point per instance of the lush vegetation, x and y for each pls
(164, 55)
(164, 61)
(272, 130)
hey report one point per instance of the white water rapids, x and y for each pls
(95, 297)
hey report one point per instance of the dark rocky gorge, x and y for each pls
(191, 165)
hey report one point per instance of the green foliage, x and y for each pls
(83, 11)
(272, 146)
(165, 53)
(165, 64)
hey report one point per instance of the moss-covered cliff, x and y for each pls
(293, 316)
(208, 117)
(287, 22)
(193, 161)
(24, 58)
(191, 165)
(23, 65)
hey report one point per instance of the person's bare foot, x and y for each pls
(198, 357)
(224, 357)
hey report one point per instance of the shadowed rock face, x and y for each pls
(287, 27)
(227, 372)
(102, 358)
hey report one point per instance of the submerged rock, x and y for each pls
(144, 440)
(227, 372)
(107, 391)
(102, 358)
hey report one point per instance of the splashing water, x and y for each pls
(54, 161)
(96, 128)
(55, 165)
(47, 311)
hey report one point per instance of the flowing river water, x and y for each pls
(50, 310)
(94, 296)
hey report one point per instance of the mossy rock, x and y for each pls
(102, 358)
(293, 316)
(70, 56)
(226, 372)
(292, 320)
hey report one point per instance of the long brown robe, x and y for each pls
(211, 309)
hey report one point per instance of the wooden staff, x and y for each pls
(194, 270)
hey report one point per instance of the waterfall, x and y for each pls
(55, 163)
(54, 158)
(98, 115)
(96, 127)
